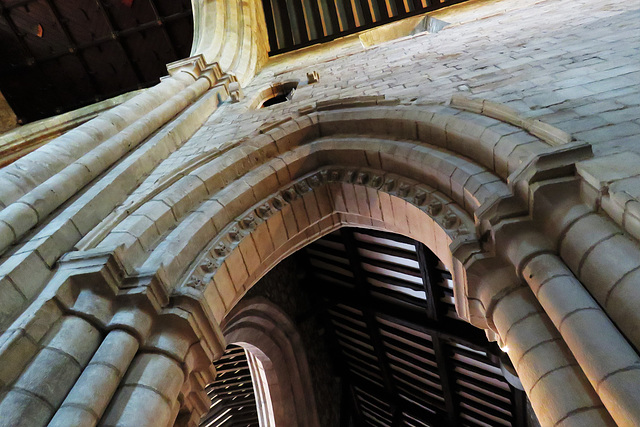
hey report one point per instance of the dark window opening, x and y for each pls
(292, 24)
(58, 56)
(279, 98)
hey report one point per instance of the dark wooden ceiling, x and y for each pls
(59, 55)
(233, 402)
(404, 356)
(407, 358)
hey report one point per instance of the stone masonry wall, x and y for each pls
(67, 255)
(573, 64)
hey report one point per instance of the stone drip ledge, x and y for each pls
(549, 134)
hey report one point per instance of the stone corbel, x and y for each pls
(193, 65)
(313, 77)
(196, 67)
(490, 266)
(235, 91)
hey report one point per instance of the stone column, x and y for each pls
(148, 393)
(161, 372)
(34, 397)
(611, 365)
(558, 389)
(89, 397)
(41, 201)
(500, 302)
(37, 167)
(607, 359)
(600, 254)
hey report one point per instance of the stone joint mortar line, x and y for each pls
(81, 407)
(499, 298)
(527, 259)
(10, 280)
(506, 335)
(164, 353)
(563, 233)
(108, 365)
(71, 312)
(588, 251)
(25, 334)
(633, 367)
(74, 226)
(15, 236)
(549, 373)
(65, 354)
(167, 205)
(572, 312)
(625, 212)
(549, 279)
(39, 255)
(577, 411)
(32, 208)
(146, 387)
(32, 394)
(128, 330)
(624, 276)
(533, 347)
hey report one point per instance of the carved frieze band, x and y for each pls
(452, 219)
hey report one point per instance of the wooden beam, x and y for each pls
(109, 19)
(165, 33)
(368, 314)
(425, 261)
(367, 24)
(317, 21)
(332, 11)
(446, 381)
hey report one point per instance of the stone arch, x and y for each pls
(505, 181)
(273, 90)
(268, 334)
(494, 278)
(230, 287)
(313, 206)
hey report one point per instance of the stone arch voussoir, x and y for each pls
(314, 205)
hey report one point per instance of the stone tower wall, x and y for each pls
(507, 143)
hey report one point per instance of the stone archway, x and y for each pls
(477, 197)
(267, 333)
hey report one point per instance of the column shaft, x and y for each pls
(148, 393)
(559, 392)
(38, 392)
(89, 397)
(607, 359)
